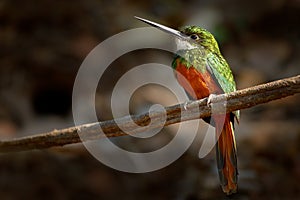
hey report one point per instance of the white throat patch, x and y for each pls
(182, 44)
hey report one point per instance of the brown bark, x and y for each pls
(238, 100)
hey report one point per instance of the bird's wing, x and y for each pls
(220, 71)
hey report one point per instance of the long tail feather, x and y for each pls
(226, 156)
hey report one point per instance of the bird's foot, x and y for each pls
(185, 104)
(209, 100)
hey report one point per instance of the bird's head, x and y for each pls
(200, 36)
(189, 37)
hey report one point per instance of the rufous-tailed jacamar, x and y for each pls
(201, 63)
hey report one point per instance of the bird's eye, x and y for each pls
(194, 37)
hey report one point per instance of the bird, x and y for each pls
(198, 60)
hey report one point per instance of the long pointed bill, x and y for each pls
(163, 28)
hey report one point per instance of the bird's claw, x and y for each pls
(209, 100)
(185, 104)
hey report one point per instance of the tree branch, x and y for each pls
(238, 100)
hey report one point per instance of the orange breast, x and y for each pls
(198, 85)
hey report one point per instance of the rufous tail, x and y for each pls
(226, 155)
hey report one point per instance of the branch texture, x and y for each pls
(238, 100)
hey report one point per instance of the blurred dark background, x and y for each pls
(42, 45)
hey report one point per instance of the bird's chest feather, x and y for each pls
(197, 84)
